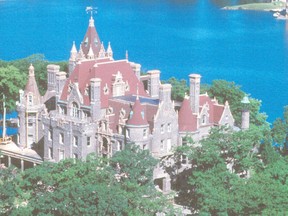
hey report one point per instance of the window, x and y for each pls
(75, 111)
(30, 124)
(75, 141)
(145, 133)
(88, 141)
(162, 128)
(61, 138)
(162, 145)
(169, 146)
(30, 99)
(75, 156)
(61, 155)
(50, 153)
(204, 120)
(49, 135)
(169, 127)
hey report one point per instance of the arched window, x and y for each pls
(75, 110)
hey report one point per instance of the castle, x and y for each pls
(103, 103)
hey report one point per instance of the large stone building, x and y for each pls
(103, 103)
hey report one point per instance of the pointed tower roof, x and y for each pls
(109, 51)
(91, 39)
(31, 87)
(137, 115)
(187, 120)
(73, 52)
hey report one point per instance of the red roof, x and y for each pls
(106, 71)
(186, 119)
(215, 109)
(31, 87)
(91, 39)
(137, 116)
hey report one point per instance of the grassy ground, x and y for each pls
(258, 6)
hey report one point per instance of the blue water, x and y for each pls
(177, 37)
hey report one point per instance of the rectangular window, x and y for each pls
(61, 138)
(162, 128)
(169, 127)
(162, 145)
(145, 133)
(75, 156)
(30, 124)
(75, 141)
(61, 155)
(49, 135)
(88, 141)
(50, 153)
(169, 145)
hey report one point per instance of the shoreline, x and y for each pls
(275, 6)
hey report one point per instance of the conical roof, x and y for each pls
(91, 39)
(137, 115)
(31, 87)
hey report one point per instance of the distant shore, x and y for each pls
(275, 6)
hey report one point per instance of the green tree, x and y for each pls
(179, 88)
(11, 80)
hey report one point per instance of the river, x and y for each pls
(177, 37)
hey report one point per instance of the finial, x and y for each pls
(31, 70)
(126, 54)
(91, 10)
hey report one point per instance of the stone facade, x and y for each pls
(103, 104)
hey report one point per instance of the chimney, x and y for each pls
(194, 92)
(95, 96)
(154, 83)
(165, 93)
(51, 73)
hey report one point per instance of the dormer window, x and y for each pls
(86, 42)
(96, 42)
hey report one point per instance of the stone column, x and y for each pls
(9, 161)
(22, 165)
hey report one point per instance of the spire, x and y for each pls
(109, 51)
(90, 54)
(80, 54)
(31, 70)
(31, 88)
(102, 51)
(126, 54)
(91, 21)
(73, 52)
(91, 38)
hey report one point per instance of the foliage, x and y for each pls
(229, 91)
(14, 74)
(116, 186)
(280, 132)
(229, 176)
(179, 88)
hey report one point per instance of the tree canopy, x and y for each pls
(121, 185)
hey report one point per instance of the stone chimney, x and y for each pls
(165, 93)
(194, 92)
(95, 98)
(154, 83)
(52, 70)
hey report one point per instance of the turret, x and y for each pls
(194, 92)
(29, 110)
(102, 52)
(137, 127)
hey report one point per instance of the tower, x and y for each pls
(194, 92)
(29, 110)
(245, 113)
(95, 96)
(137, 127)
